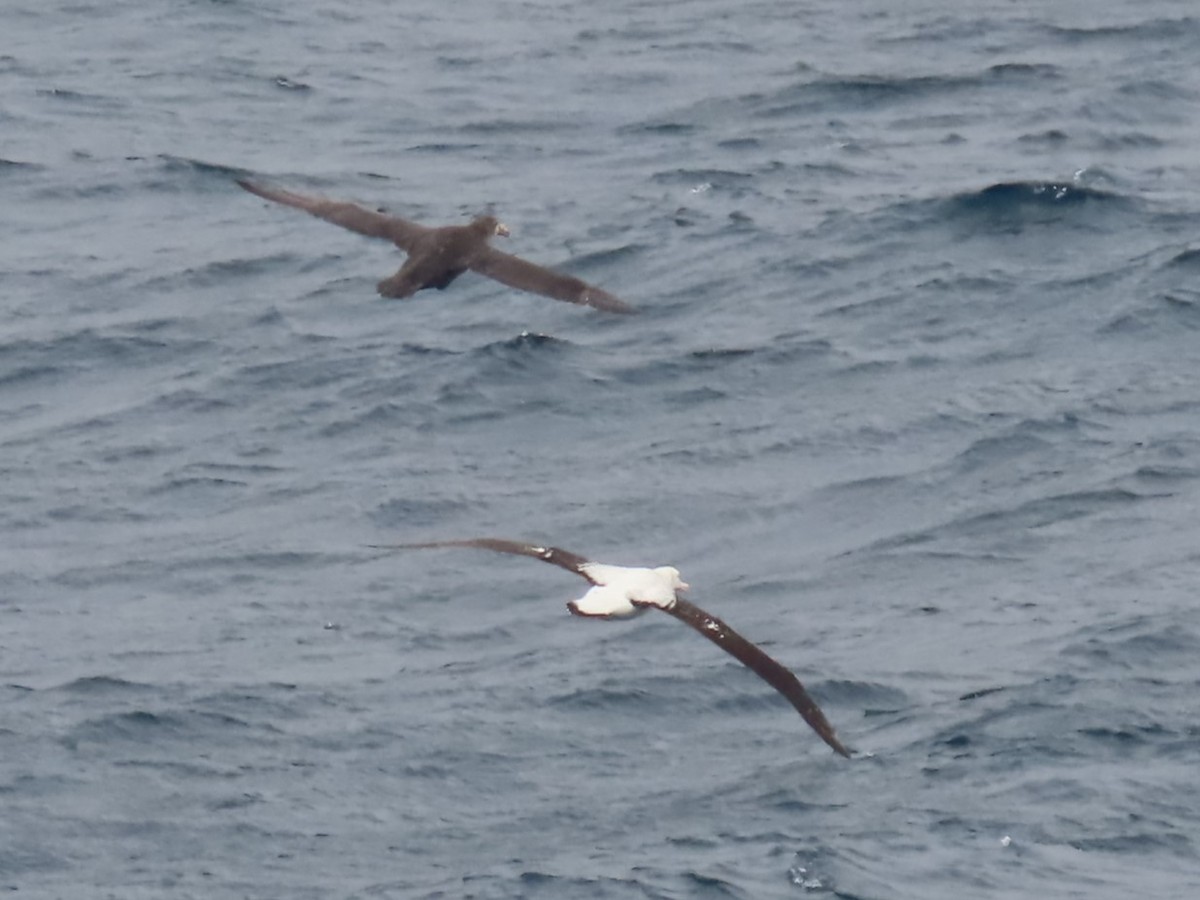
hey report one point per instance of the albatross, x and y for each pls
(621, 592)
(436, 256)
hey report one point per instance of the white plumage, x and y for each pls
(623, 591)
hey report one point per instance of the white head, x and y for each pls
(671, 575)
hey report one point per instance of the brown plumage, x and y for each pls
(436, 256)
(621, 592)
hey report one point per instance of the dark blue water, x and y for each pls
(914, 400)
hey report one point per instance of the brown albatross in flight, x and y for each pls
(436, 256)
(619, 592)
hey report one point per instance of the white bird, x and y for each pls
(620, 592)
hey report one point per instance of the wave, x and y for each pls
(1031, 200)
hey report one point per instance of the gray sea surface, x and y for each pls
(913, 400)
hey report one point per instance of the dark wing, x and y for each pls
(774, 674)
(525, 276)
(349, 215)
(564, 559)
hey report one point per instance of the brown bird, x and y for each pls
(436, 256)
(620, 592)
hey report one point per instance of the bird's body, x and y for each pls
(437, 256)
(620, 592)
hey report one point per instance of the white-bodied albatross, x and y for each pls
(620, 592)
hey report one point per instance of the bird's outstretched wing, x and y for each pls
(751, 656)
(526, 276)
(564, 559)
(402, 232)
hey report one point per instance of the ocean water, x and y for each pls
(913, 400)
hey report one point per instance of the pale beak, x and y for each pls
(501, 229)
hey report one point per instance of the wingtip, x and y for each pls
(829, 736)
(826, 733)
(620, 309)
(611, 304)
(252, 187)
(604, 301)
